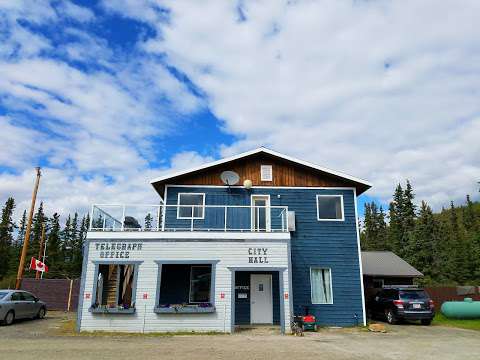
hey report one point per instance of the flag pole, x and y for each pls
(40, 250)
(21, 264)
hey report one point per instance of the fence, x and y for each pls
(440, 294)
(58, 294)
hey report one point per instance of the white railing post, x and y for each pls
(226, 218)
(286, 220)
(91, 217)
(104, 220)
(123, 218)
(193, 213)
(283, 220)
(158, 218)
(257, 220)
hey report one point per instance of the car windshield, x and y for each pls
(413, 295)
(3, 294)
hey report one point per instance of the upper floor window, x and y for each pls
(266, 173)
(330, 208)
(191, 206)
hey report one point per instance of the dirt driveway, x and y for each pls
(53, 338)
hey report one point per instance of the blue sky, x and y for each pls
(106, 95)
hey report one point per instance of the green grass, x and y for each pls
(67, 328)
(470, 324)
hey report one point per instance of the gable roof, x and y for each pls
(386, 263)
(363, 185)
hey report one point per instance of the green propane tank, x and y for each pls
(466, 309)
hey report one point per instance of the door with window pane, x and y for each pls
(260, 213)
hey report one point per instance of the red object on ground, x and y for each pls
(309, 319)
(37, 265)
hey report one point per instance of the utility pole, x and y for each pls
(40, 250)
(21, 265)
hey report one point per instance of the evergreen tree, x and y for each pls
(148, 222)
(460, 249)
(382, 242)
(424, 242)
(54, 253)
(22, 227)
(469, 216)
(374, 234)
(36, 233)
(7, 227)
(66, 236)
(408, 223)
(395, 234)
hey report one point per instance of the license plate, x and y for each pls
(417, 306)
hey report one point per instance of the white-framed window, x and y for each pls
(321, 285)
(200, 283)
(114, 285)
(191, 206)
(330, 208)
(266, 173)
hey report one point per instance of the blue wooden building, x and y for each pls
(250, 239)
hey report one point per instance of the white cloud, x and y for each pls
(78, 13)
(381, 90)
(92, 126)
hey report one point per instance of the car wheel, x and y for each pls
(41, 313)
(9, 318)
(390, 316)
(426, 322)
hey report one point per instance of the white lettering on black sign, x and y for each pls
(257, 256)
(111, 250)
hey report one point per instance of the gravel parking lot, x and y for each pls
(52, 338)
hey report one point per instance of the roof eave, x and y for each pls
(365, 185)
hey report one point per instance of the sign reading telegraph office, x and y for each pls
(118, 250)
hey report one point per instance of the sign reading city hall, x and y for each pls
(257, 256)
(119, 250)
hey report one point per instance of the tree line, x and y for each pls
(64, 243)
(444, 246)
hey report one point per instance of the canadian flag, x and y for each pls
(38, 265)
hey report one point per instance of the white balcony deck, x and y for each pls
(189, 218)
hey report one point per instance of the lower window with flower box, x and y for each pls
(185, 288)
(114, 288)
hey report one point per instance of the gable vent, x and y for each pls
(266, 173)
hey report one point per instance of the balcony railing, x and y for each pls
(105, 217)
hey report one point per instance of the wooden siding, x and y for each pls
(331, 244)
(54, 292)
(227, 253)
(285, 173)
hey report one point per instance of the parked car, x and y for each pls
(19, 304)
(402, 303)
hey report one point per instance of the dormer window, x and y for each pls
(191, 206)
(266, 173)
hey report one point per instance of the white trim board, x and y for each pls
(362, 289)
(187, 235)
(256, 151)
(264, 187)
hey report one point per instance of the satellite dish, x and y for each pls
(229, 177)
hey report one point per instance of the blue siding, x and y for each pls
(315, 243)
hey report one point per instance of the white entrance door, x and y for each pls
(261, 212)
(261, 305)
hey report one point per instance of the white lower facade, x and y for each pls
(227, 254)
